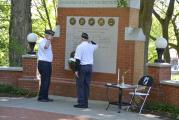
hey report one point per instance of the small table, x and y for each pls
(120, 87)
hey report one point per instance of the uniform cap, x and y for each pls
(84, 35)
(49, 32)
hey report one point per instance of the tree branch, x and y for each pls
(41, 16)
(172, 45)
(157, 16)
(169, 12)
(47, 14)
(55, 7)
(152, 37)
(178, 1)
(175, 27)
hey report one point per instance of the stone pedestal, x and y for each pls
(29, 79)
(160, 72)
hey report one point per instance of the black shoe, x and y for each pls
(80, 106)
(43, 100)
(50, 100)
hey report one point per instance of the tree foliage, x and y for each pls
(164, 24)
(165, 18)
(43, 15)
(4, 26)
(121, 3)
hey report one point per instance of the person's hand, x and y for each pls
(93, 42)
(76, 74)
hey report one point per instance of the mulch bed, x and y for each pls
(11, 113)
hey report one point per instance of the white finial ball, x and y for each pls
(161, 42)
(31, 37)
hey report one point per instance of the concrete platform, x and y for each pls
(64, 105)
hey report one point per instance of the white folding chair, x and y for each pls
(141, 93)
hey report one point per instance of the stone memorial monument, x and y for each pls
(121, 43)
(119, 58)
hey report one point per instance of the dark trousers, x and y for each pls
(45, 70)
(83, 84)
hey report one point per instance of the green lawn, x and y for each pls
(175, 77)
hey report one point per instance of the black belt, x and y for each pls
(87, 65)
(43, 61)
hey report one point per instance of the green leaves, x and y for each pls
(163, 107)
(40, 22)
(11, 90)
(121, 3)
(4, 27)
(43, 16)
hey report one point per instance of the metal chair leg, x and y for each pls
(142, 105)
(107, 106)
(130, 103)
(144, 100)
(107, 98)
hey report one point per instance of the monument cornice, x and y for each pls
(96, 3)
(87, 3)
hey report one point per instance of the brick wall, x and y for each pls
(125, 52)
(29, 64)
(63, 82)
(29, 78)
(10, 77)
(170, 94)
(163, 92)
(129, 56)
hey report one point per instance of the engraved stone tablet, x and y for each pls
(105, 57)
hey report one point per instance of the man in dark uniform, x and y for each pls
(45, 58)
(84, 61)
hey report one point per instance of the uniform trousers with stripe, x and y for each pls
(45, 70)
(83, 84)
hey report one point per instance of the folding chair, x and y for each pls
(141, 92)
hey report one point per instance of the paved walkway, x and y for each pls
(62, 109)
(12, 113)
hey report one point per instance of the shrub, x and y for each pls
(172, 110)
(15, 91)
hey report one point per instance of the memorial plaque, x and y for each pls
(104, 33)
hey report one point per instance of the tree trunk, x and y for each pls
(20, 26)
(165, 35)
(165, 27)
(145, 22)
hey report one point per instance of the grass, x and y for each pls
(9, 90)
(174, 77)
(166, 109)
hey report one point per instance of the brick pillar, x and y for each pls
(159, 71)
(29, 64)
(29, 78)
